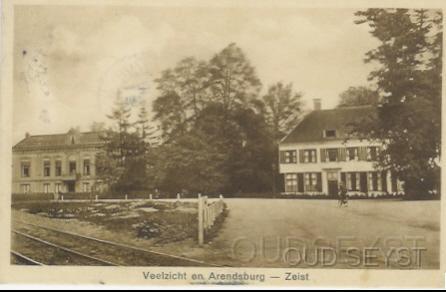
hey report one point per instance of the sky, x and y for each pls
(71, 62)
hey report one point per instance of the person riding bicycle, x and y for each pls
(343, 198)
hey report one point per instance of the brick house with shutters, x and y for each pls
(320, 153)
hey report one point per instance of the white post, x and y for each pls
(200, 221)
(61, 198)
(324, 183)
(389, 182)
(151, 197)
(96, 198)
(178, 197)
(126, 197)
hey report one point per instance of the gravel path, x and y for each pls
(258, 231)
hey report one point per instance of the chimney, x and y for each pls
(27, 135)
(317, 104)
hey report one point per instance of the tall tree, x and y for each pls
(122, 162)
(233, 80)
(358, 96)
(283, 109)
(408, 121)
(182, 94)
(206, 110)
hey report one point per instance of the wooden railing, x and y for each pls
(208, 212)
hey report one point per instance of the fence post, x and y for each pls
(178, 197)
(126, 197)
(151, 197)
(200, 221)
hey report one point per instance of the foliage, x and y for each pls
(233, 80)
(122, 163)
(218, 131)
(409, 83)
(358, 96)
(283, 109)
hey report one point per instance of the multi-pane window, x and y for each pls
(291, 182)
(87, 167)
(374, 181)
(25, 188)
(353, 181)
(332, 155)
(46, 168)
(25, 168)
(58, 168)
(352, 153)
(311, 182)
(46, 188)
(72, 167)
(288, 156)
(309, 156)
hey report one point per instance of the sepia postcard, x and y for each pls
(222, 143)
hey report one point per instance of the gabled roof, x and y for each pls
(55, 141)
(311, 128)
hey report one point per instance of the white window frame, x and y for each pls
(47, 188)
(291, 182)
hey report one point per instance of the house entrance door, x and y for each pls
(333, 183)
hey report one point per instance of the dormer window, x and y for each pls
(330, 133)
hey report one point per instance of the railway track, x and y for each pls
(20, 259)
(99, 250)
(51, 253)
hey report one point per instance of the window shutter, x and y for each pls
(323, 155)
(300, 182)
(384, 180)
(344, 178)
(363, 182)
(319, 181)
(282, 156)
(301, 156)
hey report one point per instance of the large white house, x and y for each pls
(320, 153)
